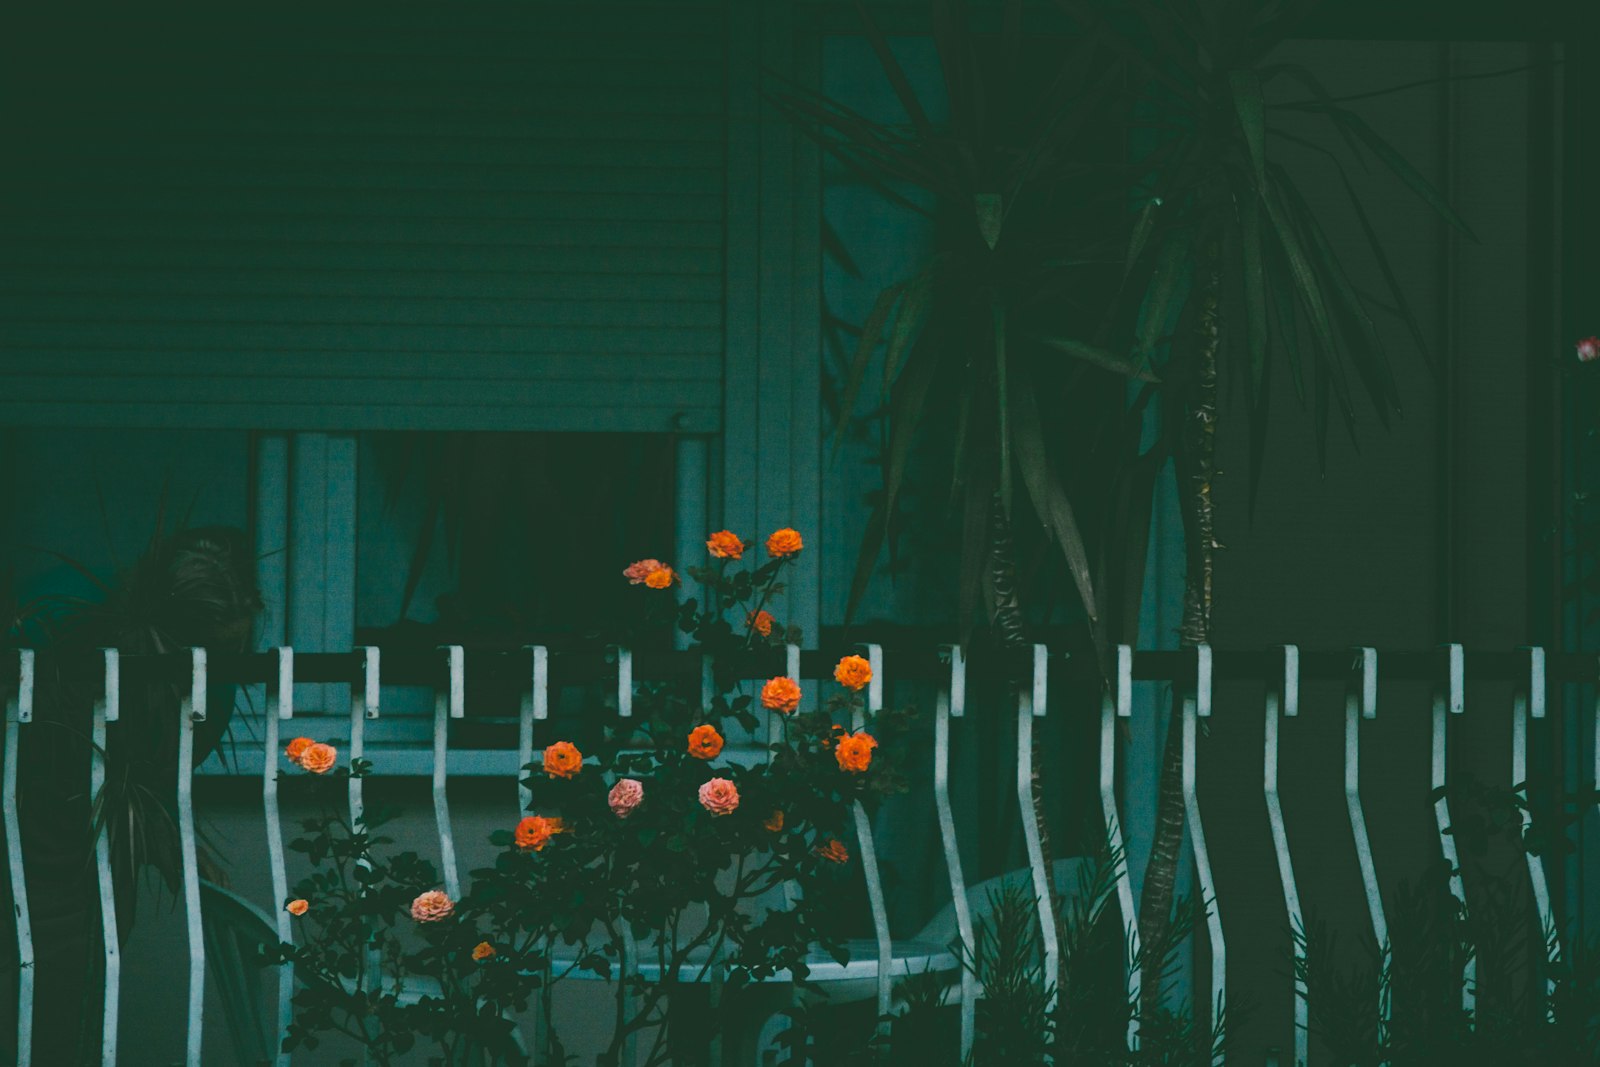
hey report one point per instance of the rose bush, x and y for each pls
(654, 844)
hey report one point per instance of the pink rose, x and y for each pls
(432, 906)
(719, 796)
(625, 796)
(637, 573)
(1588, 349)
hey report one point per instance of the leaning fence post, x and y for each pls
(864, 841)
(1197, 705)
(1529, 696)
(106, 709)
(1361, 702)
(951, 702)
(1449, 700)
(1117, 703)
(19, 710)
(1031, 702)
(191, 710)
(280, 706)
(1283, 696)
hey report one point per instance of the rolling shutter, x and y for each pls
(496, 217)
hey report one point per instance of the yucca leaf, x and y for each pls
(1049, 499)
(1280, 288)
(1251, 113)
(1401, 168)
(871, 334)
(894, 72)
(1402, 306)
(1141, 234)
(908, 320)
(833, 247)
(1255, 291)
(1130, 366)
(1305, 279)
(1171, 263)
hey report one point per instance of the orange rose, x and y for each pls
(432, 906)
(297, 748)
(297, 907)
(760, 622)
(660, 579)
(482, 951)
(784, 542)
(563, 760)
(774, 821)
(853, 672)
(781, 694)
(705, 742)
(833, 851)
(854, 751)
(319, 758)
(638, 573)
(725, 544)
(535, 831)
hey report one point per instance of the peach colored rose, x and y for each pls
(625, 796)
(760, 622)
(638, 573)
(432, 906)
(784, 542)
(719, 796)
(297, 748)
(725, 544)
(297, 907)
(319, 758)
(482, 951)
(853, 672)
(660, 579)
(833, 851)
(854, 751)
(781, 694)
(774, 821)
(563, 760)
(535, 831)
(705, 742)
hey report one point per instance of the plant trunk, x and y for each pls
(1010, 627)
(1196, 468)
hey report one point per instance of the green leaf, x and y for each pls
(894, 72)
(1141, 234)
(908, 321)
(1251, 112)
(1401, 168)
(1171, 264)
(871, 333)
(1128, 365)
(1255, 292)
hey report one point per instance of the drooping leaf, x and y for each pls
(1251, 113)
(1255, 293)
(1171, 266)
(1402, 168)
(1141, 233)
(871, 334)
(908, 321)
(1128, 365)
(833, 247)
(894, 72)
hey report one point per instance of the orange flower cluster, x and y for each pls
(310, 755)
(535, 831)
(833, 851)
(705, 742)
(853, 672)
(784, 542)
(650, 572)
(725, 544)
(563, 760)
(760, 622)
(482, 951)
(774, 822)
(297, 907)
(854, 751)
(781, 694)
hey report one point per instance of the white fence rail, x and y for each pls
(451, 669)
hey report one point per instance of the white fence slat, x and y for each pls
(945, 707)
(1117, 703)
(19, 710)
(1283, 699)
(1529, 697)
(868, 847)
(1197, 703)
(1449, 700)
(1361, 702)
(1031, 703)
(192, 710)
(448, 703)
(280, 708)
(106, 709)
